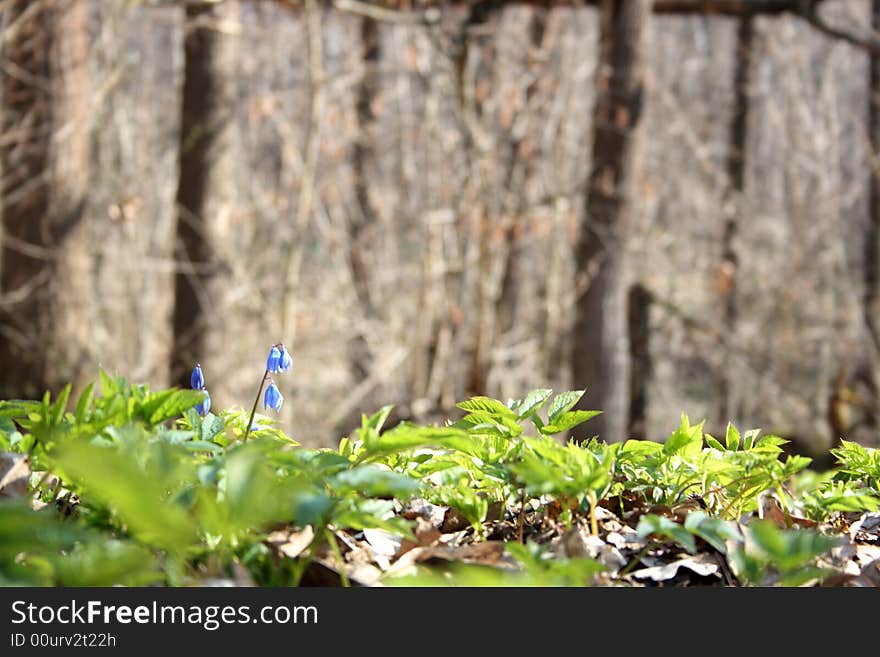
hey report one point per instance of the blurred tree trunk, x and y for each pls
(364, 155)
(736, 167)
(872, 238)
(639, 321)
(44, 158)
(600, 331)
(206, 192)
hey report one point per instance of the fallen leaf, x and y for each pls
(291, 543)
(579, 543)
(772, 511)
(703, 565)
(866, 528)
(14, 474)
(870, 574)
(420, 508)
(382, 542)
(426, 535)
(454, 522)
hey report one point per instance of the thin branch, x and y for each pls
(866, 39)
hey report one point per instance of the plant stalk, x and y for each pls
(250, 423)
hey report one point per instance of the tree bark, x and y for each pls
(871, 301)
(600, 354)
(206, 193)
(44, 158)
(736, 167)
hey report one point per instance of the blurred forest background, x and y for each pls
(674, 204)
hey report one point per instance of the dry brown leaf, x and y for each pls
(419, 508)
(15, 472)
(454, 522)
(702, 564)
(426, 535)
(870, 574)
(291, 544)
(382, 542)
(866, 528)
(579, 543)
(774, 512)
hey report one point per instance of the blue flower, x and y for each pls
(273, 399)
(196, 379)
(273, 364)
(203, 407)
(286, 361)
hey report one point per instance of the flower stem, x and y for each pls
(250, 423)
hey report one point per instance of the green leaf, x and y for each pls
(377, 420)
(211, 427)
(18, 408)
(566, 421)
(532, 402)
(375, 481)
(108, 385)
(487, 404)
(562, 403)
(714, 531)
(312, 508)
(167, 404)
(712, 442)
(749, 438)
(60, 405)
(732, 437)
(201, 446)
(137, 493)
(686, 438)
(408, 436)
(666, 528)
(84, 404)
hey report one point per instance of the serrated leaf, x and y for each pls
(685, 439)
(488, 405)
(139, 496)
(533, 402)
(167, 404)
(375, 481)
(563, 402)
(212, 426)
(407, 436)
(567, 421)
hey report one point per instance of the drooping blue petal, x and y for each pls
(274, 361)
(196, 379)
(273, 398)
(204, 406)
(286, 361)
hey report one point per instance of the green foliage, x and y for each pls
(169, 497)
(775, 556)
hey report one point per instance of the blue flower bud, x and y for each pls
(273, 364)
(196, 379)
(203, 407)
(273, 399)
(286, 361)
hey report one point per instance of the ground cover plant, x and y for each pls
(137, 487)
